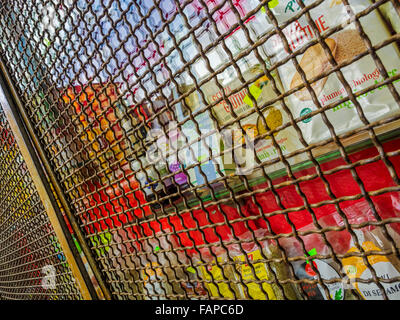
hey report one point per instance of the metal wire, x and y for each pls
(33, 265)
(301, 203)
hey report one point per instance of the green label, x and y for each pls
(271, 4)
(304, 112)
(255, 92)
(191, 270)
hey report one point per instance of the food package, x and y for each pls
(210, 146)
(108, 247)
(255, 142)
(155, 286)
(344, 44)
(187, 276)
(146, 177)
(370, 238)
(101, 243)
(107, 207)
(194, 287)
(327, 268)
(167, 155)
(126, 257)
(206, 226)
(373, 175)
(176, 164)
(219, 275)
(220, 160)
(390, 13)
(167, 183)
(256, 252)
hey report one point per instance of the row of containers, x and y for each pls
(161, 159)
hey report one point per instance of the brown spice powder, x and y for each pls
(349, 44)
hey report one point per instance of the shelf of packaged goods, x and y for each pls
(322, 154)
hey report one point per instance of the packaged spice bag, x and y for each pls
(369, 238)
(327, 268)
(145, 179)
(155, 287)
(125, 255)
(254, 141)
(98, 107)
(346, 270)
(390, 13)
(210, 146)
(166, 153)
(194, 288)
(282, 272)
(260, 270)
(219, 275)
(344, 45)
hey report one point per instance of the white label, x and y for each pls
(360, 236)
(336, 289)
(371, 291)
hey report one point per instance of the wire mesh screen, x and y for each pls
(211, 149)
(32, 263)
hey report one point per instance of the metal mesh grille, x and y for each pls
(32, 265)
(210, 148)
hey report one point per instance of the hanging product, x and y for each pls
(374, 176)
(101, 131)
(194, 287)
(256, 126)
(371, 238)
(167, 155)
(147, 178)
(205, 226)
(344, 45)
(262, 270)
(221, 279)
(126, 261)
(327, 268)
(113, 205)
(198, 152)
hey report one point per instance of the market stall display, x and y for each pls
(211, 149)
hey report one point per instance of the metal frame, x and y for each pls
(42, 185)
